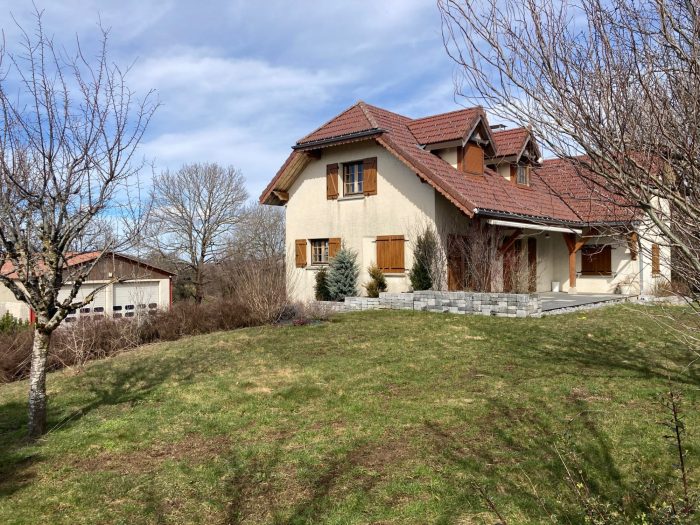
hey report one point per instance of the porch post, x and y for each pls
(573, 246)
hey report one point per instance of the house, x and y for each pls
(371, 179)
(133, 287)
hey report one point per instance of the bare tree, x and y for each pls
(612, 86)
(70, 128)
(260, 235)
(196, 210)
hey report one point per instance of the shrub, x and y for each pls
(342, 276)
(424, 255)
(74, 344)
(8, 323)
(321, 288)
(377, 281)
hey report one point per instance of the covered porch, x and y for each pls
(550, 258)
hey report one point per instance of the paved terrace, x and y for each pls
(551, 301)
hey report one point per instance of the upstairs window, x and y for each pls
(319, 251)
(522, 175)
(353, 178)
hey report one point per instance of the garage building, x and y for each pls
(133, 287)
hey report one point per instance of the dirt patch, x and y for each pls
(582, 394)
(194, 449)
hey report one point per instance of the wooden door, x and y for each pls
(532, 263)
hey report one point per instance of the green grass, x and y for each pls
(374, 417)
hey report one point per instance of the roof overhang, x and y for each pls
(533, 226)
(333, 141)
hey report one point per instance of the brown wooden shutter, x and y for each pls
(473, 159)
(596, 260)
(369, 168)
(332, 181)
(460, 158)
(390, 253)
(513, 172)
(333, 246)
(300, 252)
(655, 259)
(632, 244)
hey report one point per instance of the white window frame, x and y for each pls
(319, 251)
(522, 175)
(353, 178)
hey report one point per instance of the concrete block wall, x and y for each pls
(495, 304)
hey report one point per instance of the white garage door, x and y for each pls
(95, 307)
(130, 298)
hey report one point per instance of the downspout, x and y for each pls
(641, 264)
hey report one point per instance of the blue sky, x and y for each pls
(241, 81)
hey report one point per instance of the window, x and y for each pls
(353, 175)
(523, 175)
(390, 253)
(319, 251)
(596, 259)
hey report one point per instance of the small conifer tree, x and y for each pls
(424, 255)
(377, 282)
(321, 287)
(342, 275)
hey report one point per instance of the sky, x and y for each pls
(239, 82)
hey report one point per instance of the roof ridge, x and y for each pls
(473, 108)
(367, 113)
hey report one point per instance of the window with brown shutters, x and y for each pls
(596, 259)
(300, 252)
(390, 253)
(332, 181)
(655, 259)
(333, 246)
(370, 172)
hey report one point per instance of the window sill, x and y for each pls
(395, 274)
(353, 197)
(316, 266)
(596, 274)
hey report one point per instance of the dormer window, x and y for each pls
(353, 178)
(522, 175)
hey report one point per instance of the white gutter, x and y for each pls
(530, 226)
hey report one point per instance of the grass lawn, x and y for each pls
(374, 417)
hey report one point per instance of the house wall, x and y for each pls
(403, 204)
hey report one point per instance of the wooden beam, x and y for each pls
(573, 246)
(509, 241)
(281, 195)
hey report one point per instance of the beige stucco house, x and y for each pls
(371, 180)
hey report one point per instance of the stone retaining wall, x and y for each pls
(496, 304)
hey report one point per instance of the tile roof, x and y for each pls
(444, 127)
(510, 141)
(76, 259)
(557, 192)
(353, 120)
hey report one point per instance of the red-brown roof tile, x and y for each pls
(510, 141)
(445, 126)
(352, 120)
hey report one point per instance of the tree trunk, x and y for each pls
(198, 286)
(37, 384)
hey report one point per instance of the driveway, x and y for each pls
(554, 301)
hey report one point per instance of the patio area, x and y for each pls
(551, 301)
